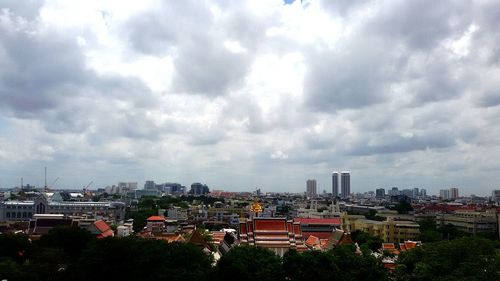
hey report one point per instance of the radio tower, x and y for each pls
(46, 189)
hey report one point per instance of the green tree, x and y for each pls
(341, 263)
(133, 258)
(249, 263)
(71, 240)
(364, 238)
(15, 246)
(467, 258)
(11, 270)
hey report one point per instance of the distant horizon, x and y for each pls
(245, 94)
(140, 185)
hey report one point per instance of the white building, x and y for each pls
(25, 210)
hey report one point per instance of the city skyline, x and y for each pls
(246, 94)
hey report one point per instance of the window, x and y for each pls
(7, 215)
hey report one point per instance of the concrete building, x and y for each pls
(125, 187)
(389, 231)
(199, 189)
(423, 192)
(495, 196)
(444, 194)
(25, 210)
(394, 191)
(149, 185)
(335, 184)
(454, 193)
(470, 221)
(345, 184)
(380, 193)
(311, 188)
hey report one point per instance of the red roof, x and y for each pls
(101, 225)
(319, 234)
(156, 218)
(332, 221)
(312, 240)
(104, 229)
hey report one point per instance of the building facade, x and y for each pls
(335, 184)
(345, 183)
(453, 193)
(444, 194)
(389, 231)
(311, 190)
(25, 210)
(470, 221)
(380, 193)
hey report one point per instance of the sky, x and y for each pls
(247, 94)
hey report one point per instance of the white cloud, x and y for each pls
(241, 94)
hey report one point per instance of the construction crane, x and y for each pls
(54, 182)
(85, 188)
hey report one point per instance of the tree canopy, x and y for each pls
(467, 258)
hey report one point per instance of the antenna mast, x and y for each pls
(46, 188)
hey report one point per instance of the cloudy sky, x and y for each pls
(245, 94)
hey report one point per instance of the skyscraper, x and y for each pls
(453, 193)
(345, 184)
(380, 192)
(149, 185)
(335, 184)
(311, 188)
(444, 194)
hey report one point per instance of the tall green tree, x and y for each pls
(141, 259)
(249, 263)
(467, 258)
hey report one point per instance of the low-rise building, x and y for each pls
(14, 210)
(389, 230)
(470, 221)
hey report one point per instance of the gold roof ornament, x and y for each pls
(255, 207)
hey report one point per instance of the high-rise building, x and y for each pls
(423, 192)
(149, 185)
(380, 193)
(345, 184)
(311, 188)
(415, 192)
(199, 189)
(495, 196)
(394, 191)
(444, 194)
(335, 184)
(453, 193)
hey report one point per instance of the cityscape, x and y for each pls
(249, 140)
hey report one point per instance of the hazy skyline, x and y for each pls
(245, 94)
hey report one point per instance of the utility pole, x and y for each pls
(46, 188)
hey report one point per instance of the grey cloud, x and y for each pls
(352, 77)
(39, 73)
(392, 143)
(27, 9)
(489, 99)
(203, 65)
(421, 24)
(46, 78)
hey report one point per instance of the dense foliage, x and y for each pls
(74, 254)
(339, 264)
(467, 258)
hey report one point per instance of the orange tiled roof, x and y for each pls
(332, 221)
(312, 241)
(156, 218)
(101, 225)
